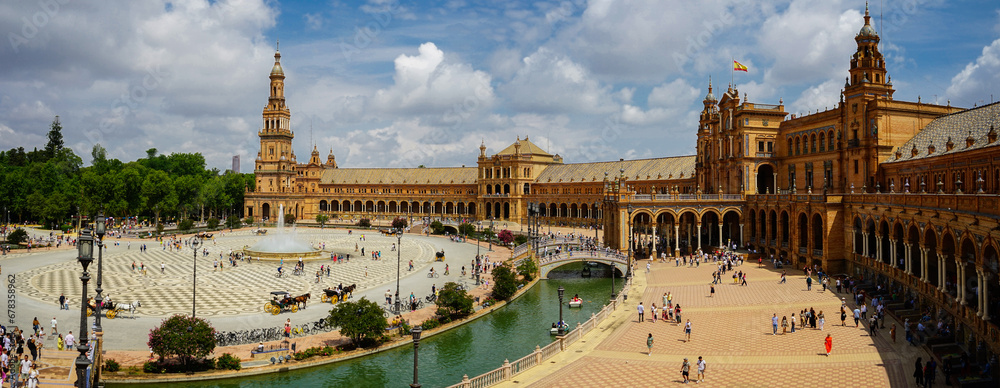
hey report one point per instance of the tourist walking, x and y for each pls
(822, 320)
(54, 326)
(829, 344)
(687, 330)
(857, 317)
(686, 370)
(784, 325)
(701, 370)
(774, 324)
(652, 312)
(793, 323)
(711, 293)
(649, 345)
(640, 309)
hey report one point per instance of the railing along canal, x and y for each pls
(510, 369)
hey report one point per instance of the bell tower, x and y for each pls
(276, 161)
(867, 64)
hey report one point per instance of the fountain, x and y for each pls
(282, 245)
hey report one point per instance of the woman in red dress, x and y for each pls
(829, 344)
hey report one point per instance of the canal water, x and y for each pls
(474, 348)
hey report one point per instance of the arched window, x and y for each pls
(829, 138)
(812, 143)
(789, 149)
(822, 141)
(798, 148)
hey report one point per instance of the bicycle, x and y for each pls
(430, 298)
(433, 275)
(279, 274)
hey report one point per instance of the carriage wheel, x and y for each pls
(323, 298)
(295, 308)
(111, 314)
(275, 311)
(268, 306)
(90, 312)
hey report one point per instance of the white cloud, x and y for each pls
(428, 83)
(809, 41)
(977, 83)
(818, 97)
(668, 102)
(314, 21)
(549, 82)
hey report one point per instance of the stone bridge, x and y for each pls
(549, 262)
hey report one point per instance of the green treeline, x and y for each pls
(50, 186)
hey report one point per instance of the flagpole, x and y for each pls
(732, 72)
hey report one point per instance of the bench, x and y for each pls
(272, 351)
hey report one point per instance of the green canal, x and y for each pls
(474, 348)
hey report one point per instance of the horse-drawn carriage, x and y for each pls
(334, 295)
(113, 309)
(439, 256)
(281, 301)
(204, 235)
(260, 231)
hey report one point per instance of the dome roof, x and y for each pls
(867, 30)
(710, 96)
(276, 70)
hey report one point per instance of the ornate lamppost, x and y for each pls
(415, 332)
(479, 226)
(562, 328)
(85, 255)
(195, 243)
(629, 258)
(100, 230)
(399, 247)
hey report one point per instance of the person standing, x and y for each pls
(793, 323)
(163, 267)
(687, 330)
(711, 293)
(54, 326)
(918, 372)
(892, 333)
(649, 345)
(640, 309)
(686, 370)
(700, 378)
(70, 340)
(288, 328)
(822, 319)
(784, 325)
(652, 312)
(829, 344)
(774, 324)
(62, 302)
(666, 300)
(857, 316)
(809, 283)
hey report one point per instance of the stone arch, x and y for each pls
(913, 236)
(858, 237)
(785, 226)
(883, 235)
(931, 243)
(818, 229)
(574, 211)
(802, 225)
(358, 206)
(752, 222)
(380, 207)
(870, 238)
(563, 210)
(322, 205)
(265, 211)
(731, 231)
(472, 208)
(898, 236)
(765, 178)
(506, 188)
(822, 141)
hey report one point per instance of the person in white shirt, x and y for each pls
(701, 370)
(70, 340)
(54, 326)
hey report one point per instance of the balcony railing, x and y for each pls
(803, 250)
(818, 252)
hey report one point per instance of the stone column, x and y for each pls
(923, 264)
(892, 252)
(677, 239)
(878, 249)
(656, 239)
(721, 241)
(741, 233)
(908, 258)
(960, 280)
(979, 292)
(698, 232)
(864, 244)
(985, 292)
(942, 269)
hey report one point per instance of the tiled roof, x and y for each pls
(527, 147)
(436, 175)
(958, 126)
(677, 167)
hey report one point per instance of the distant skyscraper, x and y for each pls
(236, 164)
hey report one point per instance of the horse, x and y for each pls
(130, 307)
(349, 291)
(301, 299)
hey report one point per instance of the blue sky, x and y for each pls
(403, 83)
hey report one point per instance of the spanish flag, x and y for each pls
(739, 66)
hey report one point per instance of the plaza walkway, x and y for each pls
(732, 331)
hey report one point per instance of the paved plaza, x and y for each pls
(233, 298)
(732, 331)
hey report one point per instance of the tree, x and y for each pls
(364, 223)
(520, 239)
(504, 282)
(233, 222)
(453, 302)
(213, 223)
(289, 219)
(437, 227)
(399, 222)
(506, 236)
(17, 236)
(466, 229)
(186, 225)
(527, 269)
(361, 321)
(55, 139)
(322, 219)
(182, 336)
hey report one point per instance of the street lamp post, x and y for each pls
(85, 250)
(562, 328)
(195, 243)
(100, 230)
(399, 247)
(629, 258)
(490, 238)
(415, 332)
(479, 227)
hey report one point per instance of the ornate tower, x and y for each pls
(276, 160)
(867, 65)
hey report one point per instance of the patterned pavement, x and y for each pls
(231, 291)
(732, 331)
